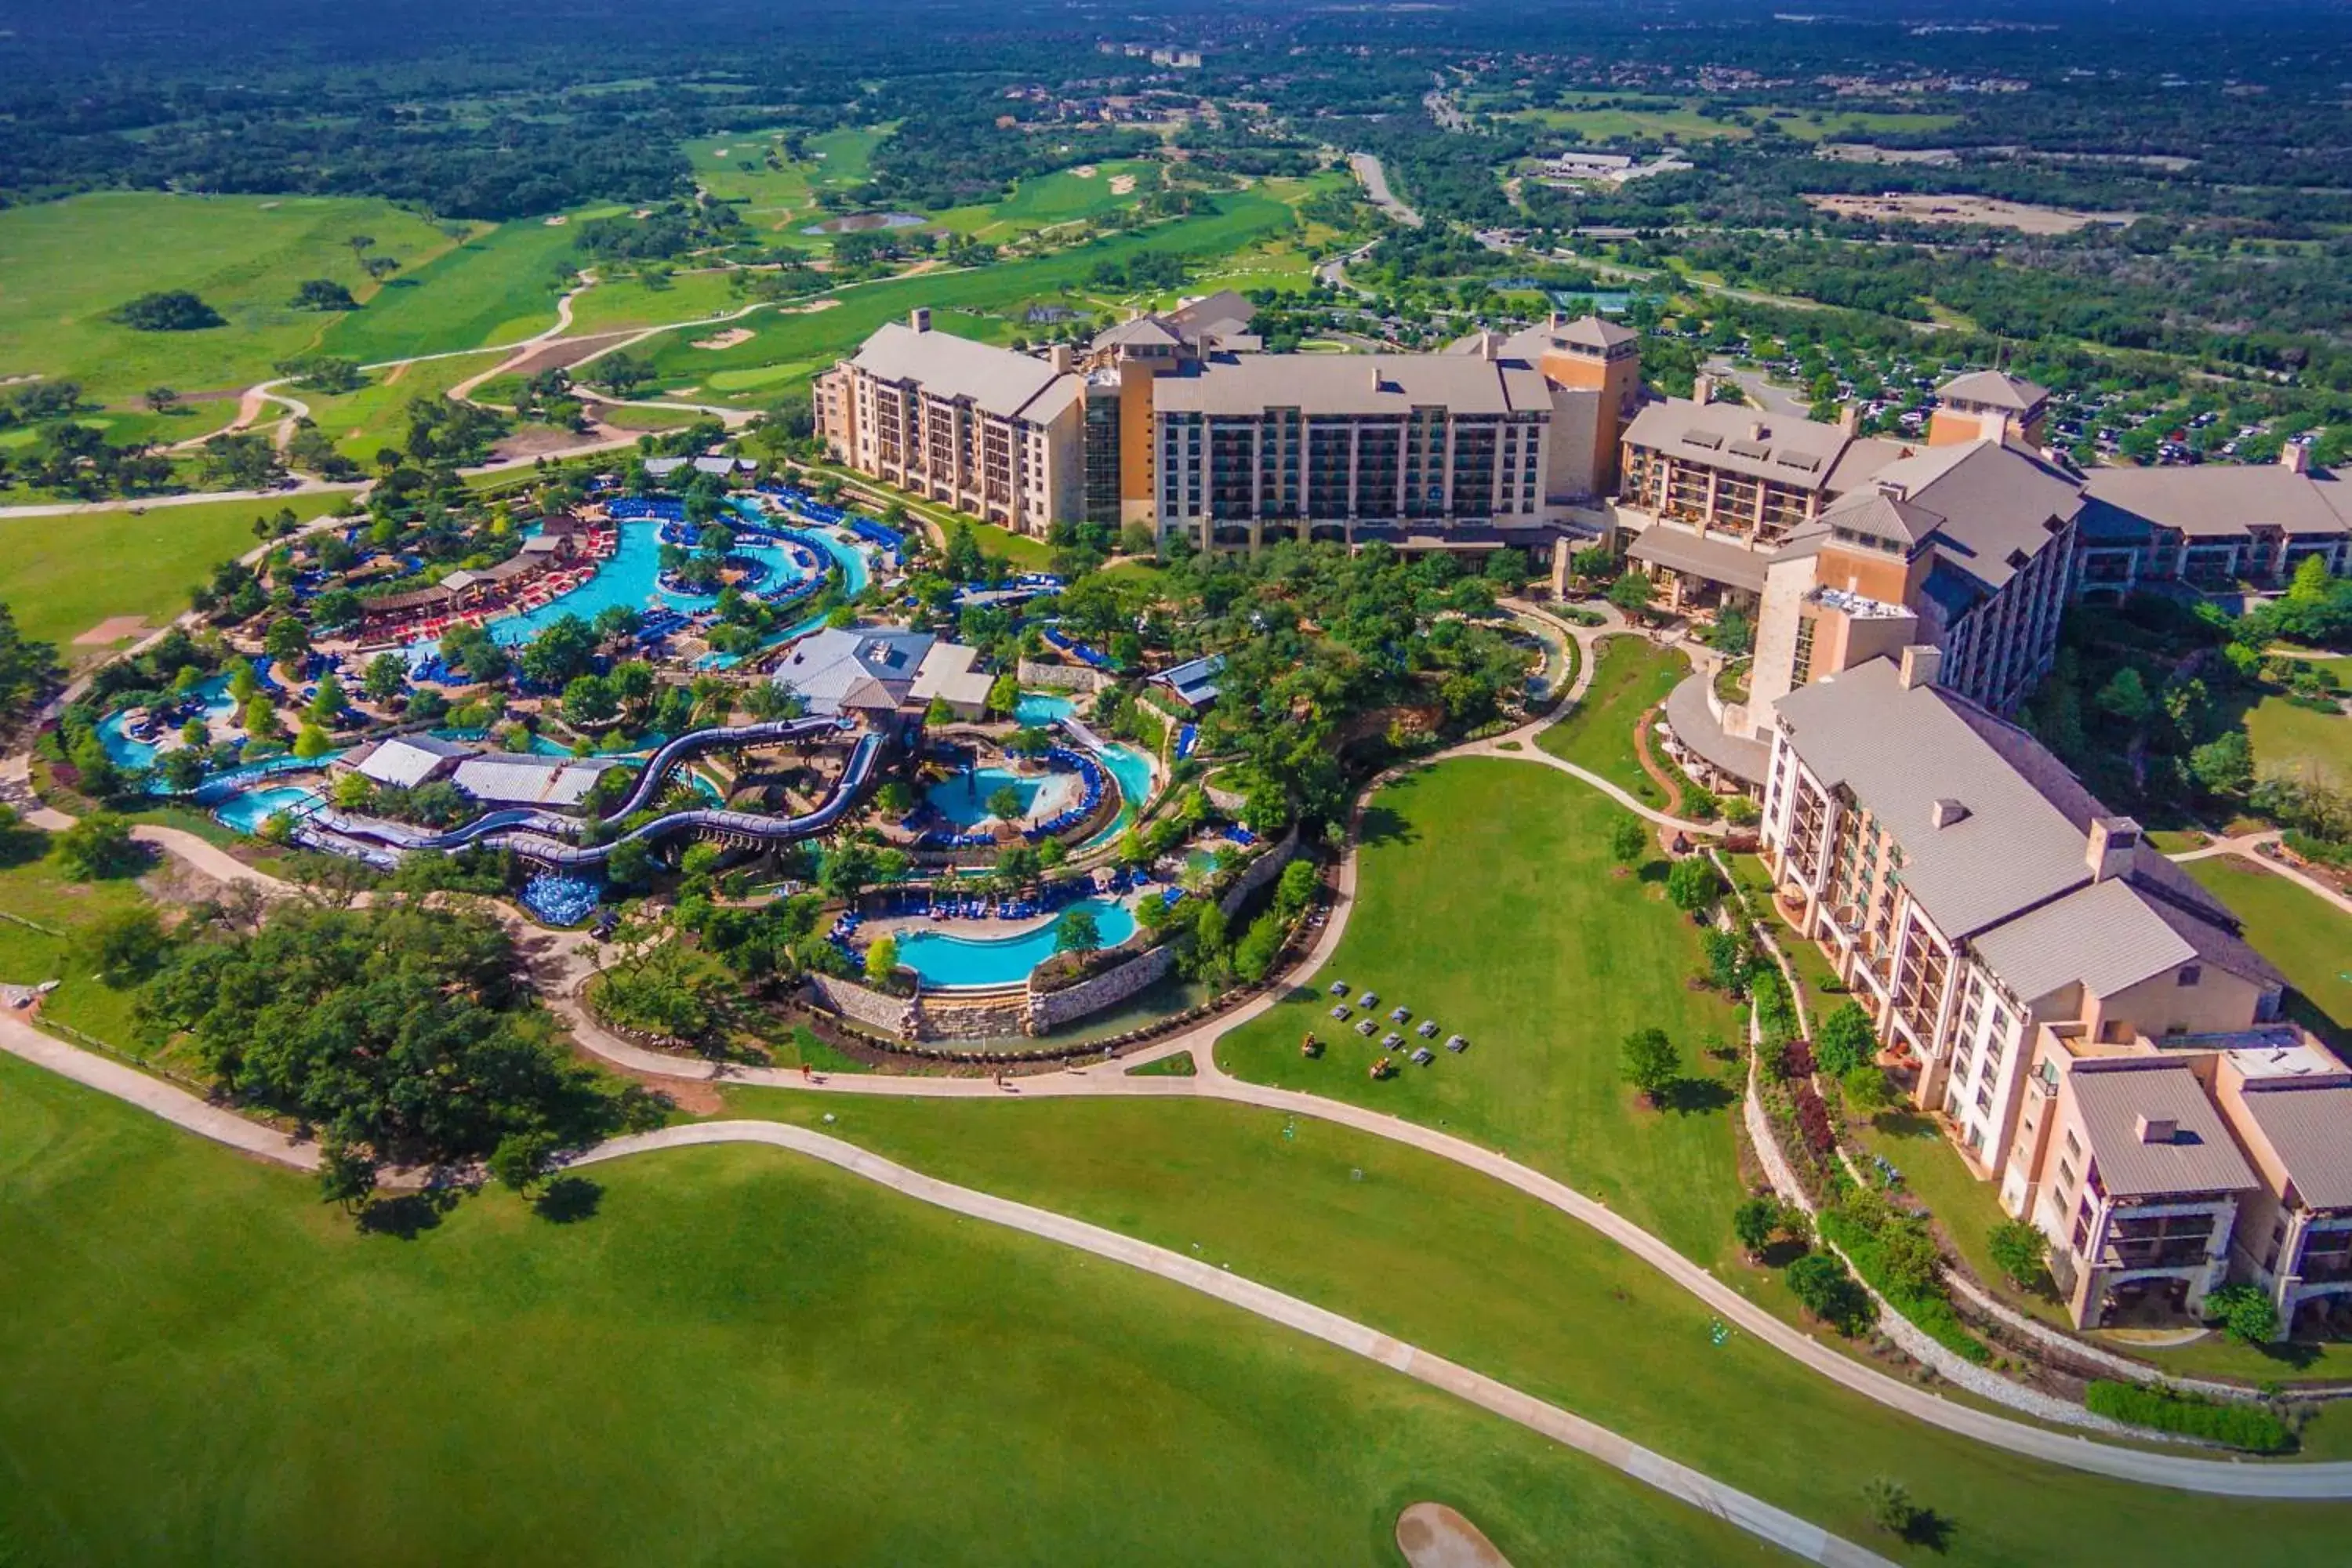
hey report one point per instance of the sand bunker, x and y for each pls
(1432, 1535)
(1122, 185)
(558, 221)
(111, 630)
(811, 309)
(726, 340)
(1086, 171)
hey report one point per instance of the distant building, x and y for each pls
(511, 778)
(854, 669)
(404, 761)
(1194, 684)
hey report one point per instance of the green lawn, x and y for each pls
(768, 196)
(67, 264)
(1059, 197)
(500, 287)
(362, 423)
(33, 889)
(843, 157)
(742, 1356)
(2310, 939)
(2286, 736)
(683, 297)
(1462, 1265)
(983, 303)
(1630, 677)
(1486, 901)
(63, 575)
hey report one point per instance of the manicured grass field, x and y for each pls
(1462, 1265)
(843, 157)
(980, 303)
(67, 264)
(496, 288)
(34, 889)
(362, 423)
(1630, 677)
(1063, 197)
(2308, 939)
(684, 297)
(770, 196)
(741, 1357)
(1486, 901)
(2286, 736)
(63, 575)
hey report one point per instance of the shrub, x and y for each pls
(2018, 1251)
(1890, 1505)
(2246, 1312)
(1754, 1221)
(1794, 1059)
(1813, 1123)
(1845, 1040)
(2248, 1427)
(1776, 1014)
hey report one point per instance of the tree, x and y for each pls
(1005, 804)
(2019, 1250)
(589, 700)
(323, 294)
(1692, 884)
(386, 678)
(169, 310)
(2224, 766)
(1726, 960)
(1648, 1061)
(2245, 1312)
(1004, 693)
(287, 642)
(629, 865)
(261, 719)
(882, 960)
(1907, 1257)
(97, 847)
(1890, 1505)
(1867, 1088)
(2126, 697)
(128, 945)
(182, 769)
(1753, 1223)
(1629, 839)
(1296, 890)
(354, 792)
(1077, 932)
(346, 1176)
(326, 704)
(159, 399)
(1822, 1284)
(561, 654)
(1631, 592)
(521, 1158)
(1846, 1040)
(311, 742)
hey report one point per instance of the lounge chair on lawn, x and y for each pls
(1399, 1014)
(1338, 988)
(1339, 1012)
(1428, 1030)
(1368, 999)
(1424, 1056)
(1456, 1042)
(1390, 1041)
(1364, 1028)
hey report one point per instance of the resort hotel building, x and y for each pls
(2089, 1023)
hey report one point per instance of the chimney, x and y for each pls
(1703, 389)
(2108, 851)
(1849, 419)
(2295, 457)
(919, 317)
(1995, 425)
(2157, 1129)
(1758, 431)
(1922, 663)
(1948, 811)
(1490, 346)
(1061, 358)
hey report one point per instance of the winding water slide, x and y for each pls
(543, 836)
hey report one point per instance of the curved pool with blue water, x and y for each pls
(961, 961)
(248, 811)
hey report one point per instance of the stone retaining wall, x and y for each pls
(1259, 872)
(1049, 1010)
(1061, 677)
(895, 1015)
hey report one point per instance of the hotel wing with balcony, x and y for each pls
(2071, 1006)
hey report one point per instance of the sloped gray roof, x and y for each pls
(2216, 501)
(997, 381)
(1354, 385)
(1902, 750)
(2309, 1128)
(1884, 516)
(519, 779)
(1678, 550)
(1798, 453)
(2105, 935)
(408, 761)
(2002, 505)
(1592, 332)
(846, 668)
(1993, 389)
(2200, 1157)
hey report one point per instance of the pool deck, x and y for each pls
(971, 930)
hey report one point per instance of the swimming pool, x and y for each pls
(963, 799)
(948, 961)
(1037, 710)
(1132, 769)
(248, 811)
(131, 753)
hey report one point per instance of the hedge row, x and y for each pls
(2248, 1427)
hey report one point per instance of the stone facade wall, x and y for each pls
(1260, 871)
(1050, 1010)
(1061, 677)
(867, 1006)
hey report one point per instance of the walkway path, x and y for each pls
(1376, 185)
(1752, 1514)
(2248, 847)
